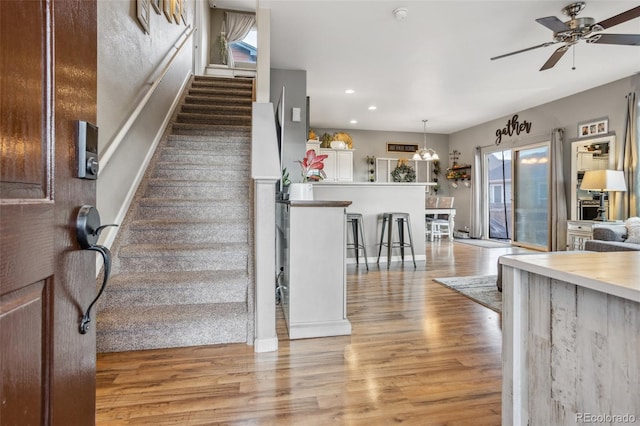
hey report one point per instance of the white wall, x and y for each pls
(128, 62)
(604, 101)
(295, 133)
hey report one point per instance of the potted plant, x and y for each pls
(312, 171)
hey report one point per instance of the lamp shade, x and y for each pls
(603, 180)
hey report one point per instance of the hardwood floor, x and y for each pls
(420, 354)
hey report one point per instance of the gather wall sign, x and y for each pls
(513, 127)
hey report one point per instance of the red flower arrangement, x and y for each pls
(312, 167)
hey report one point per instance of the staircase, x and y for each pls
(182, 260)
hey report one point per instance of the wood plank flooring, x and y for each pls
(420, 354)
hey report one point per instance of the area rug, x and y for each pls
(483, 243)
(479, 288)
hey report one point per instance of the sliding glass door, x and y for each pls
(498, 178)
(532, 174)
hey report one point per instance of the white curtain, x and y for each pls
(558, 199)
(236, 26)
(476, 196)
(627, 204)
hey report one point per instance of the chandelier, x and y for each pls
(427, 154)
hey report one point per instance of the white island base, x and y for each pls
(311, 239)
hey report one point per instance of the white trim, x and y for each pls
(265, 345)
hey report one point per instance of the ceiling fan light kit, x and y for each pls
(577, 29)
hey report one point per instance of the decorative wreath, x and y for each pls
(403, 173)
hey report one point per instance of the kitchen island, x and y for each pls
(372, 199)
(310, 255)
(571, 338)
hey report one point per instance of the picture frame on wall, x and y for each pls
(591, 128)
(144, 14)
(177, 6)
(157, 6)
(167, 9)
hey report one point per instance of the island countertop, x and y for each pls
(615, 273)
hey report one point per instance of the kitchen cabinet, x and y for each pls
(338, 166)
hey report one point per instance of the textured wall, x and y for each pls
(128, 62)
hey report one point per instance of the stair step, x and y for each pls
(181, 257)
(211, 129)
(232, 92)
(218, 109)
(204, 156)
(227, 230)
(200, 80)
(202, 172)
(226, 119)
(180, 189)
(217, 100)
(193, 209)
(141, 328)
(175, 288)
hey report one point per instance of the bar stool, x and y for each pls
(400, 219)
(357, 228)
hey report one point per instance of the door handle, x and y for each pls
(88, 231)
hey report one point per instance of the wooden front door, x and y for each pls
(47, 82)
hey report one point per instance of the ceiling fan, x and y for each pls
(576, 29)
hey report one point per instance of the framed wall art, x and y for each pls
(143, 10)
(401, 147)
(157, 6)
(591, 128)
(167, 9)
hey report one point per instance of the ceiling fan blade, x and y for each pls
(553, 23)
(555, 58)
(623, 39)
(620, 18)
(524, 50)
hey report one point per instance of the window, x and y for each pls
(245, 50)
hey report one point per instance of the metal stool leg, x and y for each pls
(384, 221)
(389, 240)
(354, 231)
(364, 244)
(411, 243)
(400, 221)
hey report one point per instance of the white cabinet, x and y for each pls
(338, 166)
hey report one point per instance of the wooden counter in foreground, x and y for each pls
(571, 338)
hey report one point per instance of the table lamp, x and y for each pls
(603, 181)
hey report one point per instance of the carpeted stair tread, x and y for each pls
(216, 100)
(196, 156)
(181, 288)
(140, 328)
(201, 173)
(183, 231)
(199, 118)
(181, 257)
(240, 92)
(220, 81)
(211, 129)
(235, 164)
(239, 110)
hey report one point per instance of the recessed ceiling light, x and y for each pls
(349, 91)
(354, 122)
(373, 108)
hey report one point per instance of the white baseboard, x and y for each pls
(265, 345)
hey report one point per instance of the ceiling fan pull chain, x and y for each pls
(574, 57)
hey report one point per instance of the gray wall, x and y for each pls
(295, 133)
(603, 101)
(374, 143)
(128, 62)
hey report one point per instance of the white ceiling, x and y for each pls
(435, 63)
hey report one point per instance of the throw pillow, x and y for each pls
(633, 230)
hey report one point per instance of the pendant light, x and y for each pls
(426, 154)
